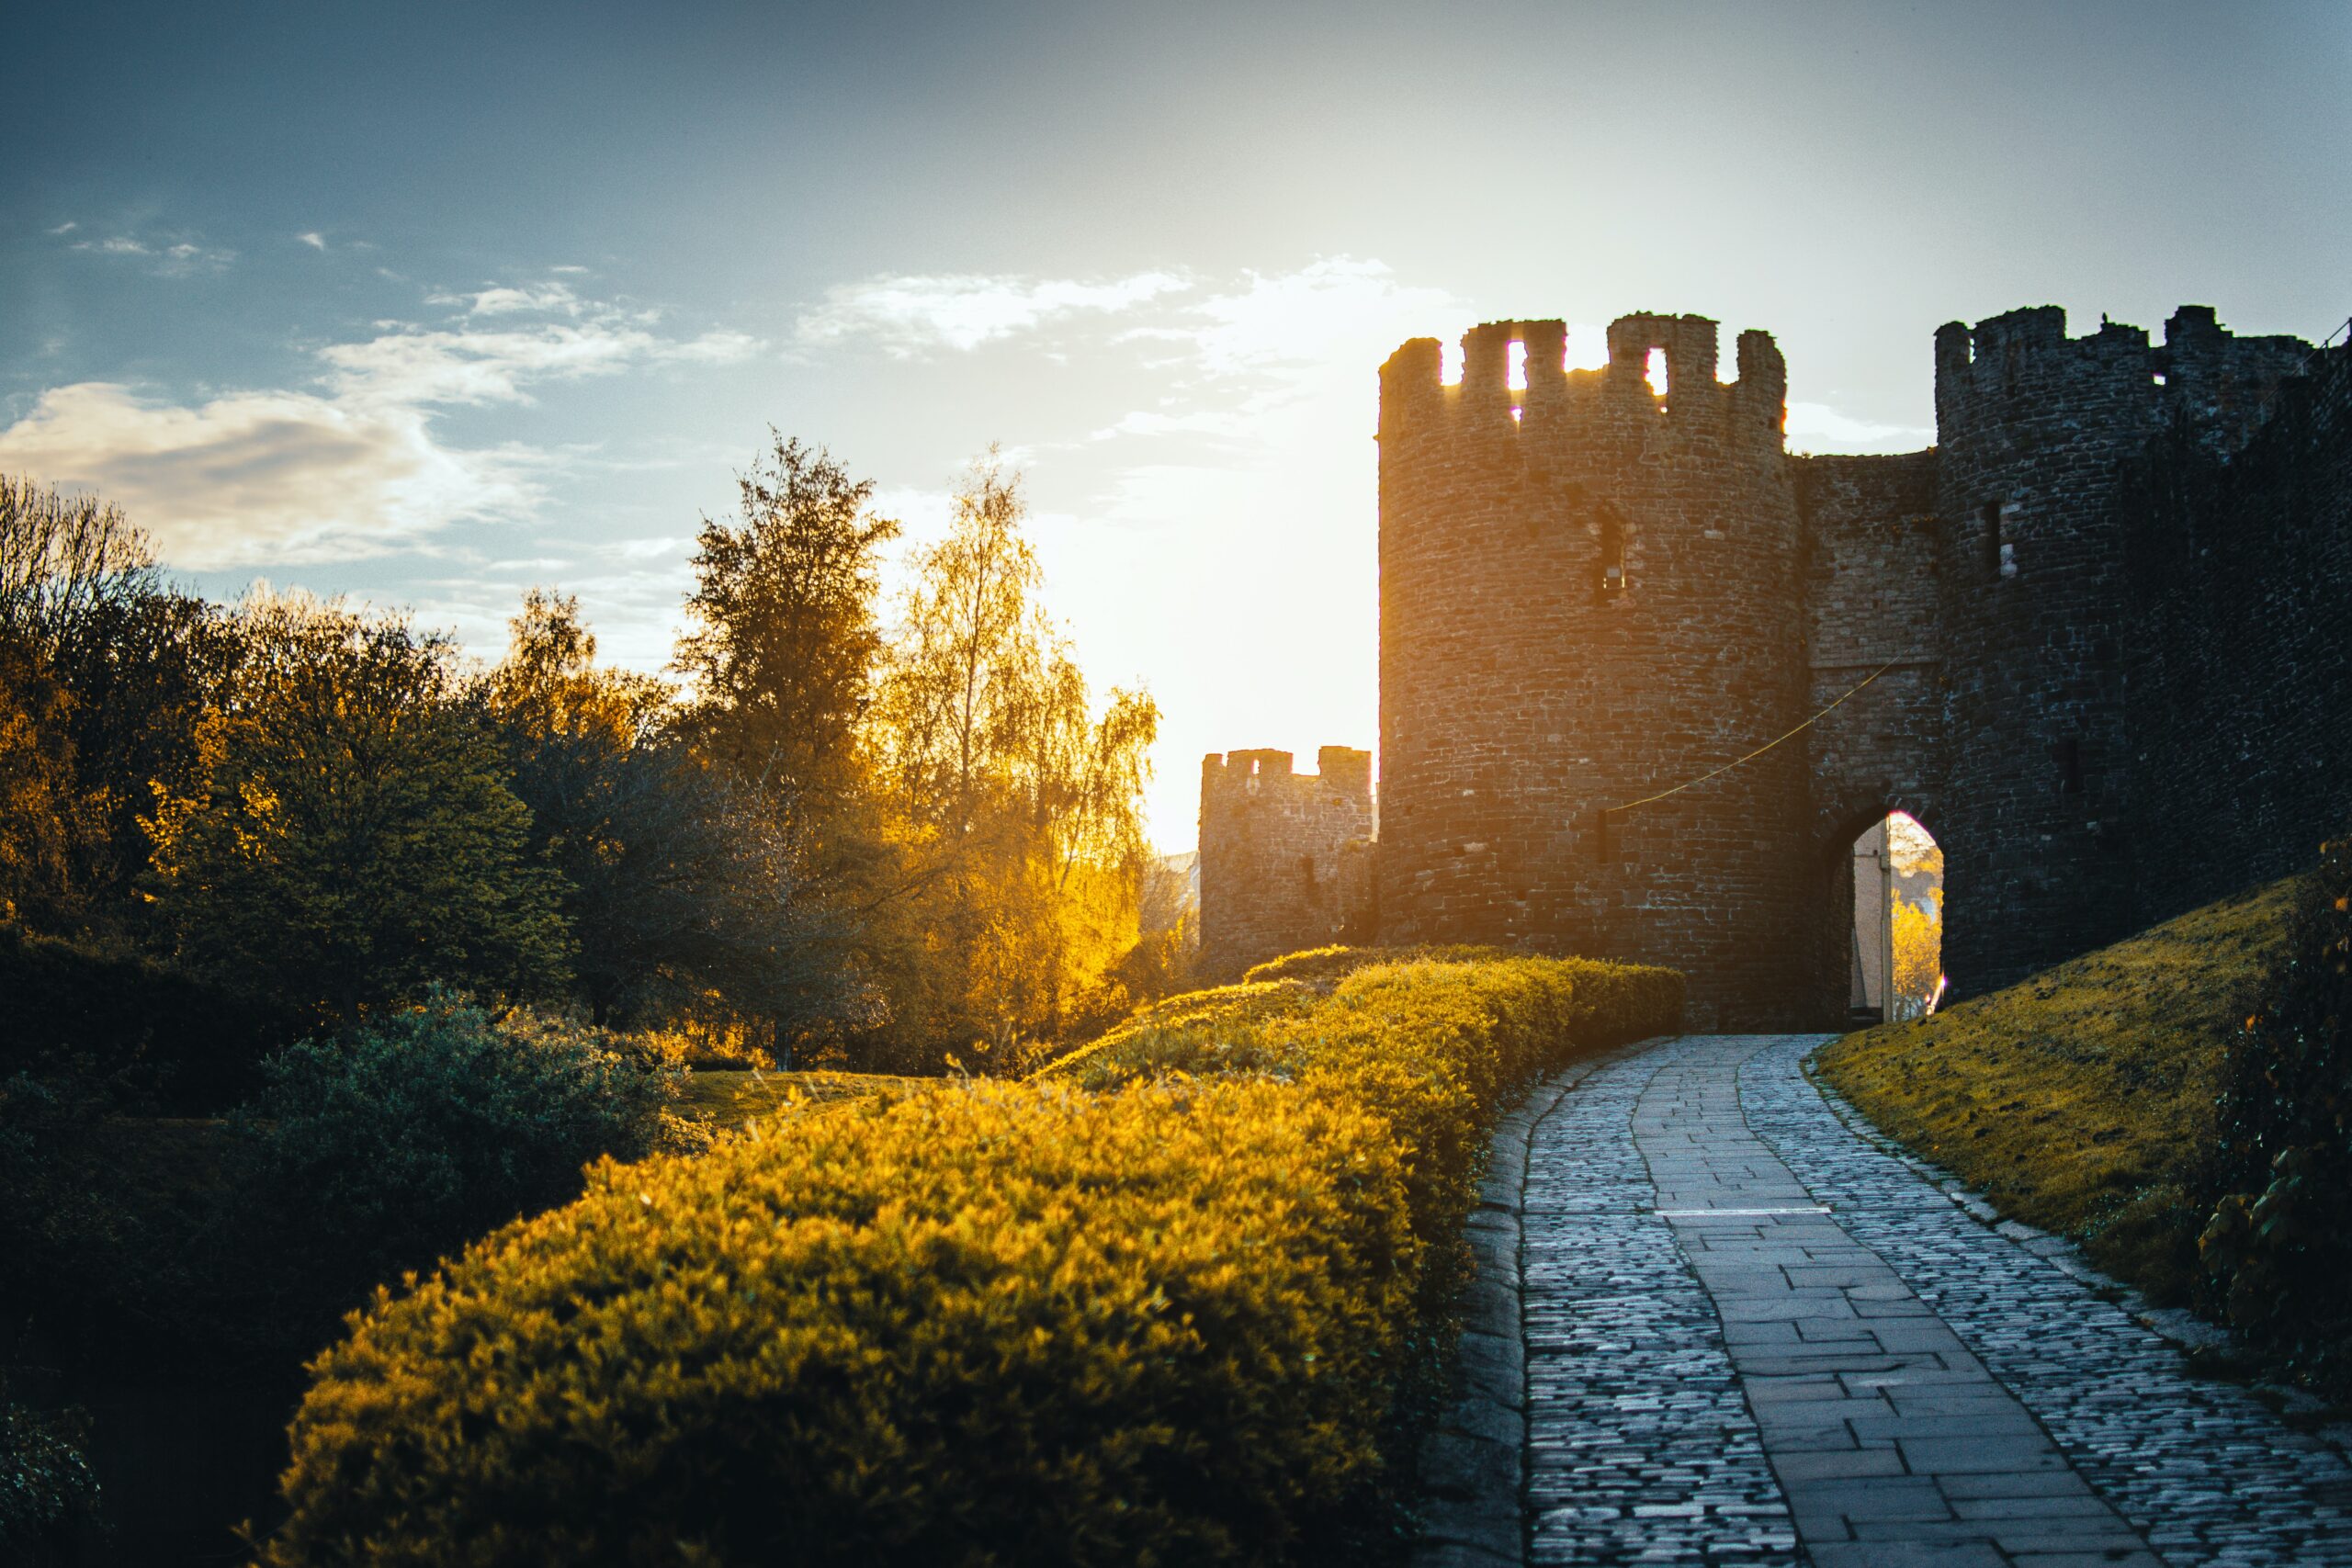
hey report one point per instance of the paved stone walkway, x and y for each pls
(1751, 1334)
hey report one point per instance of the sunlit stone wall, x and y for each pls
(1285, 857)
(1591, 591)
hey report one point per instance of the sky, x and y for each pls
(429, 304)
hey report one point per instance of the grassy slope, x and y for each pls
(2080, 1099)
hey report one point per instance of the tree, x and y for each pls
(1918, 956)
(683, 893)
(352, 837)
(783, 647)
(1019, 810)
(105, 675)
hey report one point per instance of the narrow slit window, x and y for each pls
(1654, 371)
(1515, 360)
(1996, 548)
(2070, 766)
(1612, 579)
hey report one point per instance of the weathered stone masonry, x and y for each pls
(1285, 857)
(2109, 616)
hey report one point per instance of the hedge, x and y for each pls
(990, 1322)
(2277, 1253)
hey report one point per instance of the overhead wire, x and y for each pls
(1791, 735)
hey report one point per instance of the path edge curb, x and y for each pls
(1470, 1474)
(2185, 1332)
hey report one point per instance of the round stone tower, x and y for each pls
(1590, 594)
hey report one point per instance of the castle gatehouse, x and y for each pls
(1644, 675)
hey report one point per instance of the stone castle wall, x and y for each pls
(2240, 703)
(1872, 597)
(2103, 625)
(2035, 435)
(1285, 857)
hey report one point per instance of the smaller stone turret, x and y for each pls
(1285, 857)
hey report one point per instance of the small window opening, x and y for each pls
(2159, 377)
(1306, 869)
(1515, 414)
(1654, 371)
(1996, 553)
(2009, 364)
(1603, 840)
(1449, 371)
(1612, 557)
(1516, 361)
(2070, 766)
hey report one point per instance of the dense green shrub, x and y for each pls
(2277, 1253)
(46, 1486)
(191, 1045)
(380, 1148)
(984, 1322)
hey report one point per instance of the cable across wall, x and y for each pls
(1608, 811)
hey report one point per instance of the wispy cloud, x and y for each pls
(167, 255)
(963, 310)
(352, 465)
(65, 228)
(315, 240)
(506, 298)
(1233, 359)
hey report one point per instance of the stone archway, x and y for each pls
(1880, 902)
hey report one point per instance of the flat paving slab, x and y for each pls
(1754, 1335)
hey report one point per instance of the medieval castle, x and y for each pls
(2098, 639)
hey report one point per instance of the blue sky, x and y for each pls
(427, 304)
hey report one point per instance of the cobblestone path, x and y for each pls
(1752, 1335)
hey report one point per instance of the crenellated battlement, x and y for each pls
(1546, 398)
(2019, 369)
(1285, 856)
(1343, 769)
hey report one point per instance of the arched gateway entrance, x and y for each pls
(1895, 932)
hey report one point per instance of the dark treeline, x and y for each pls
(833, 842)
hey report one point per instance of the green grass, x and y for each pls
(2081, 1101)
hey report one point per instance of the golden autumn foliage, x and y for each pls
(977, 1323)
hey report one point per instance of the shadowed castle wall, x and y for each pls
(2044, 851)
(2240, 698)
(1873, 598)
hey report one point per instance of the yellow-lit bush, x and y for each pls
(1216, 1031)
(1325, 967)
(990, 1322)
